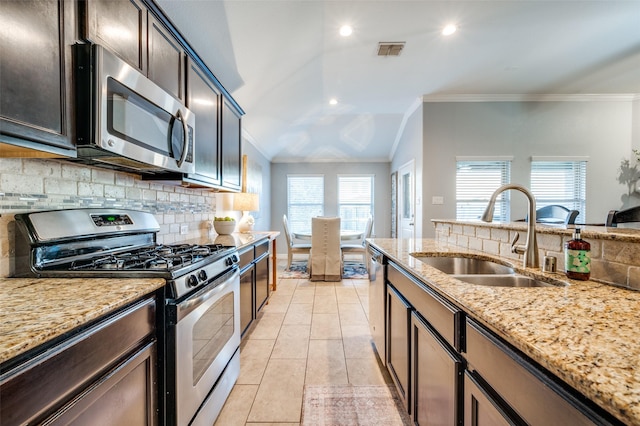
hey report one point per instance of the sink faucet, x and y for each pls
(530, 249)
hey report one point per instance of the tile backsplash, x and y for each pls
(614, 260)
(43, 184)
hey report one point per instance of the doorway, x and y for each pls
(406, 200)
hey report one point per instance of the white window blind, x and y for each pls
(475, 182)
(560, 182)
(305, 199)
(355, 201)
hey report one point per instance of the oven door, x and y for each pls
(207, 335)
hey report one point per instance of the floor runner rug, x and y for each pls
(352, 406)
(352, 270)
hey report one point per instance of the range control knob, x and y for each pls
(229, 261)
(202, 275)
(192, 281)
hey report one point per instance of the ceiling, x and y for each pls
(283, 60)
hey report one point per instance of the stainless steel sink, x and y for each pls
(465, 265)
(484, 272)
(513, 280)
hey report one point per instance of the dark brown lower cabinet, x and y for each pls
(254, 281)
(246, 297)
(398, 314)
(105, 374)
(437, 377)
(480, 409)
(121, 397)
(262, 274)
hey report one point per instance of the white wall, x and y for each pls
(599, 130)
(259, 180)
(382, 201)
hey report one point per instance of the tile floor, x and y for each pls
(313, 333)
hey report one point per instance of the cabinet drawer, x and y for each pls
(533, 395)
(262, 248)
(444, 317)
(246, 257)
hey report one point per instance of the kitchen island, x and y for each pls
(584, 333)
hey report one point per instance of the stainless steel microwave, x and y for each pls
(125, 121)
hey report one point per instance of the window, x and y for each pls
(560, 182)
(475, 182)
(305, 199)
(355, 201)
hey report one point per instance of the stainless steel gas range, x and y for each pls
(200, 324)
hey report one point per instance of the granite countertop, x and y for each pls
(36, 310)
(621, 233)
(236, 239)
(585, 333)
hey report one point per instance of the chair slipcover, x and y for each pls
(325, 262)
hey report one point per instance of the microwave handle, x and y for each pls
(185, 142)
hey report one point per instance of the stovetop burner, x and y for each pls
(158, 258)
(112, 243)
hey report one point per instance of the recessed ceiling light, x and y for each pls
(449, 29)
(333, 101)
(346, 30)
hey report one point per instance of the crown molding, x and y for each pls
(327, 160)
(552, 97)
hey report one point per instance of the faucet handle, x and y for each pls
(519, 249)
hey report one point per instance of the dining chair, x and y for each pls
(325, 259)
(359, 246)
(292, 246)
(556, 213)
(629, 215)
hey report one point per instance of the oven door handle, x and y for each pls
(197, 299)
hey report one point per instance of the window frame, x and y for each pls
(575, 194)
(303, 223)
(470, 205)
(361, 219)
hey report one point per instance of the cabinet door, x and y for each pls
(480, 409)
(437, 377)
(166, 60)
(124, 396)
(203, 99)
(35, 73)
(231, 148)
(246, 298)
(262, 281)
(120, 25)
(398, 314)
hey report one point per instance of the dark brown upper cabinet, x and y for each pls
(166, 59)
(35, 76)
(203, 99)
(231, 146)
(120, 25)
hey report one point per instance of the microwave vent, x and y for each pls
(390, 48)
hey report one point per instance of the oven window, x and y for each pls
(210, 334)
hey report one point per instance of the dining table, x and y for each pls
(345, 235)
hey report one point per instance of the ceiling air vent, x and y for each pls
(390, 48)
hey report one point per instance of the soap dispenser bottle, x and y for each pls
(577, 257)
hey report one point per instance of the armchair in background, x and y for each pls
(292, 246)
(629, 215)
(325, 259)
(359, 246)
(556, 213)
